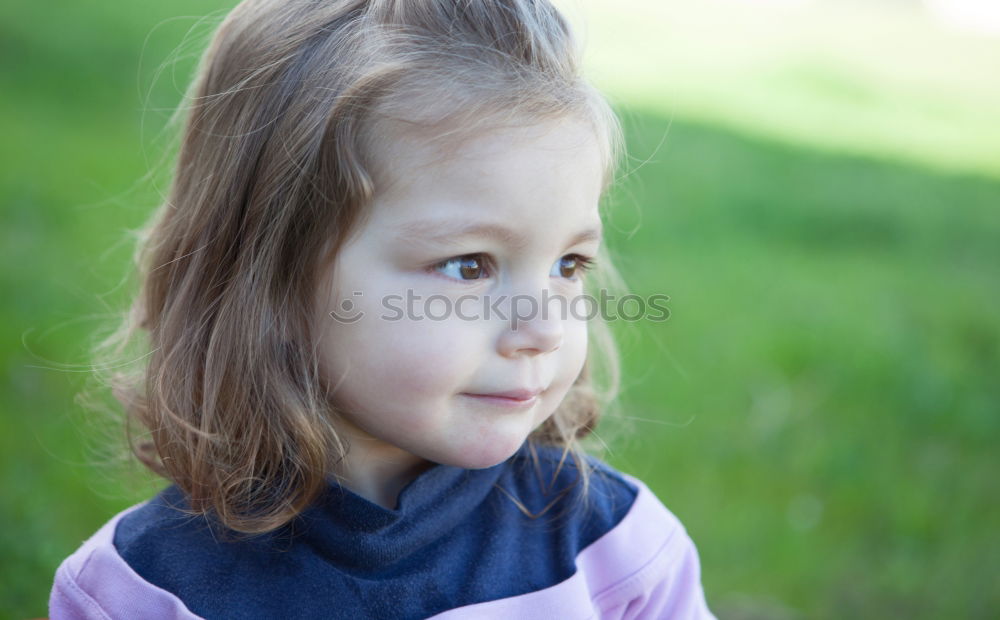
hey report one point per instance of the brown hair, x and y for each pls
(274, 170)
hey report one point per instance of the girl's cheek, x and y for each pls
(575, 343)
(428, 362)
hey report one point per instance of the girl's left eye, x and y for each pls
(473, 267)
(569, 265)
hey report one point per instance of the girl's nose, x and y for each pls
(530, 330)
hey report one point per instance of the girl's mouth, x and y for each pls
(516, 399)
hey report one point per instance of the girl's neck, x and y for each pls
(381, 481)
(375, 470)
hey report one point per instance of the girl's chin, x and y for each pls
(481, 456)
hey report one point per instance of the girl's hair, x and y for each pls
(274, 170)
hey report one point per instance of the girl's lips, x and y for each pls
(505, 401)
(524, 394)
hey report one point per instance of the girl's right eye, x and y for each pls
(465, 268)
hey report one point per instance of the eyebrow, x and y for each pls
(443, 231)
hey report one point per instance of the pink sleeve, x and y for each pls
(67, 600)
(666, 585)
(95, 583)
(675, 592)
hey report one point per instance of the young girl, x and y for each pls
(358, 414)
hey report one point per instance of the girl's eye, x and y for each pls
(468, 267)
(567, 266)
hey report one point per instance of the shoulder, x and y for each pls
(647, 566)
(648, 561)
(632, 557)
(629, 517)
(95, 581)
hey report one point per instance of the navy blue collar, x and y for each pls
(354, 532)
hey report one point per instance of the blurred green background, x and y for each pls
(816, 185)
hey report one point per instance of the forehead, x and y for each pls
(521, 173)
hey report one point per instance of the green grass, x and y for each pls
(823, 399)
(820, 410)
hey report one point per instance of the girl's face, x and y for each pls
(503, 215)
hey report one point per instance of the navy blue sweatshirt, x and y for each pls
(518, 540)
